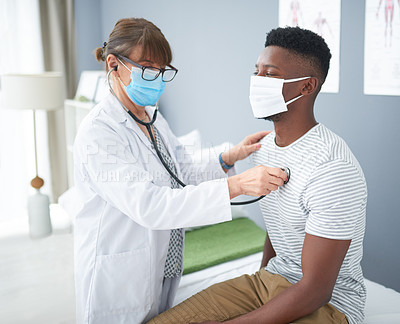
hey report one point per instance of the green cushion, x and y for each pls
(212, 245)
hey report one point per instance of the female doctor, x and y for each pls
(129, 233)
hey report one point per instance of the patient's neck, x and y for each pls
(292, 127)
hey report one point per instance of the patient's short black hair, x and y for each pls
(304, 43)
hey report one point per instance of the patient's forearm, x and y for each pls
(295, 302)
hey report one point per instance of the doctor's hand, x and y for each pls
(244, 148)
(257, 181)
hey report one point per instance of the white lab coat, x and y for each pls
(123, 230)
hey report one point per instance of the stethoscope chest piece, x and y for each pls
(287, 171)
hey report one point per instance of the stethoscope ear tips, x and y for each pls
(287, 171)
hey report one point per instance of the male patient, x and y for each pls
(310, 271)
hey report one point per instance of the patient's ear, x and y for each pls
(309, 86)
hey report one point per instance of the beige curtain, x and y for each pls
(58, 39)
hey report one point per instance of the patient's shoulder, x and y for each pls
(333, 146)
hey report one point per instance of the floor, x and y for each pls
(36, 276)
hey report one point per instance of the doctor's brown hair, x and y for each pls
(131, 32)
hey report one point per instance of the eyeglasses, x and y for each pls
(150, 73)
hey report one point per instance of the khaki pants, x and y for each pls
(239, 296)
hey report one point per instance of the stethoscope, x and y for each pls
(153, 141)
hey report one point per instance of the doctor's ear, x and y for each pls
(310, 86)
(112, 62)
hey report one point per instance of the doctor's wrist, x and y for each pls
(234, 186)
(227, 159)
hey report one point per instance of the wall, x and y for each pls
(88, 27)
(216, 44)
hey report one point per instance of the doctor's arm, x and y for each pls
(126, 177)
(115, 171)
(321, 262)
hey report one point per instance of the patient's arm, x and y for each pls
(269, 251)
(321, 262)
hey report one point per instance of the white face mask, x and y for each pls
(266, 96)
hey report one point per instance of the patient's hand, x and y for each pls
(244, 148)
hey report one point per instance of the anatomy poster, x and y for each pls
(323, 18)
(382, 47)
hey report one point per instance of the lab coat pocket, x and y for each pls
(121, 284)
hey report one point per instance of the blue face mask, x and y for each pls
(142, 92)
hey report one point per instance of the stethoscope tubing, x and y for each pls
(153, 141)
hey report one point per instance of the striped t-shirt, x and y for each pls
(326, 196)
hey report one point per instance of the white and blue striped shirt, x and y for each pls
(326, 196)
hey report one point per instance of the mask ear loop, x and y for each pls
(123, 64)
(294, 80)
(292, 100)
